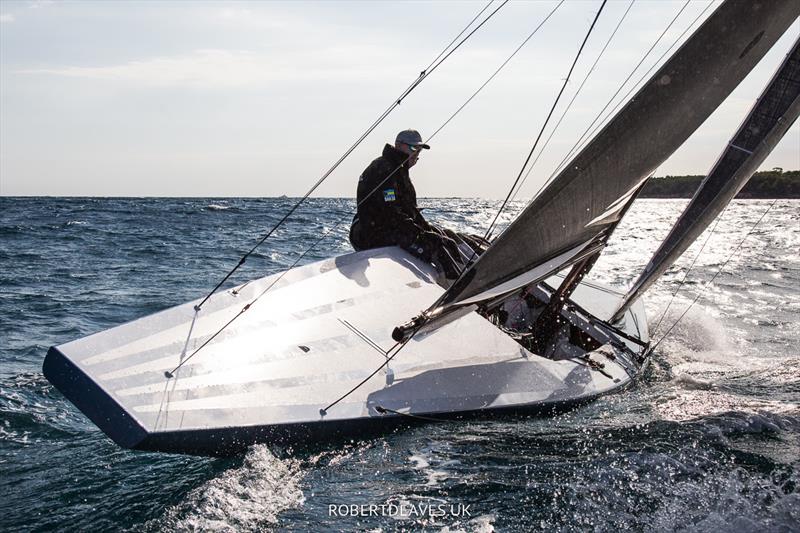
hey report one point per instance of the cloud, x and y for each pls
(6, 17)
(36, 4)
(217, 68)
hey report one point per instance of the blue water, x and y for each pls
(707, 440)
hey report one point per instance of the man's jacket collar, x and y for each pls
(394, 155)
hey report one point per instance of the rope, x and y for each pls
(717, 273)
(441, 58)
(550, 114)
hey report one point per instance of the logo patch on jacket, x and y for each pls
(388, 195)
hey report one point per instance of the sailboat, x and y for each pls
(372, 340)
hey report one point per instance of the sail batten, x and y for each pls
(581, 203)
(765, 125)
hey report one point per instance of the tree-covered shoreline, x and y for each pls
(775, 183)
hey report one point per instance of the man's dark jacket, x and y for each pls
(387, 204)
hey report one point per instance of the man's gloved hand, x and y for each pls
(446, 265)
(438, 249)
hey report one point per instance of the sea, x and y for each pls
(708, 439)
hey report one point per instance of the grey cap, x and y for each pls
(411, 138)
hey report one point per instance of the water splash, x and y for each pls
(247, 498)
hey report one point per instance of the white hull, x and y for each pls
(315, 335)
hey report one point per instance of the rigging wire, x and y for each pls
(642, 78)
(170, 374)
(569, 105)
(497, 71)
(584, 138)
(686, 274)
(572, 150)
(717, 273)
(397, 347)
(644, 57)
(549, 114)
(471, 22)
(441, 58)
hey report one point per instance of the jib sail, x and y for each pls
(773, 114)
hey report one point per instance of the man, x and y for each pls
(388, 214)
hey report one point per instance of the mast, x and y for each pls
(549, 320)
(772, 115)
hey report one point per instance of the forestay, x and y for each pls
(773, 114)
(586, 199)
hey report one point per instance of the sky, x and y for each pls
(260, 98)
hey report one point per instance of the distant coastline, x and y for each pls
(775, 183)
(770, 184)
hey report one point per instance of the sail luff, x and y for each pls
(586, 198)
(765, 125)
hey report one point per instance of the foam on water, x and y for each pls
(247, 498)
(218, 207)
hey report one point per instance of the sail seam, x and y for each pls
(748, 152)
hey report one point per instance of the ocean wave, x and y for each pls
(706, 441)
(31, 410)
(726, 502)
(225, 208)
(247, 498)
(218, 207)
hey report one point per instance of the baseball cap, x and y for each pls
(411, 138)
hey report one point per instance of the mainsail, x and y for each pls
(773, 114)
(566, 221)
